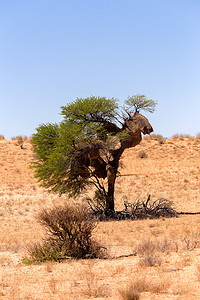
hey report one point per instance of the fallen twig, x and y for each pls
(125, 255)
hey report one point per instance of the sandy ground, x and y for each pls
(167, 264)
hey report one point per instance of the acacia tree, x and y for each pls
(86, 147)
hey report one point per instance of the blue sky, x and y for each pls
(52, 52)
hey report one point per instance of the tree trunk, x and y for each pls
(111, 175)
(110, 197)
(112, 167)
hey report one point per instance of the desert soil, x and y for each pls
(167, 260)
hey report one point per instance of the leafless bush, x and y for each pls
(138, 209)
(2, 137)
(69, 231)
(141, 209)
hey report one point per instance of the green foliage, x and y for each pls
(91, 109)
(53, 146)
(140, 102)
(56, 146)
(45, 252)
(69, 231)
(44, 140)
(89, 116)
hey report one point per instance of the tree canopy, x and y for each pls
(85, 148)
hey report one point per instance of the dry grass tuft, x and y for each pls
(92, 284)
(151, 260)
(181, 136)
(155, 137)
(198, 271)
(141, 285)
(129, 293)
(142, 154)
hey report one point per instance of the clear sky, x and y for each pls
(53, 51)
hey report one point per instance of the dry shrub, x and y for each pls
(129, 293)
(140, 285)
(2, 137)
(151, 260)
(69, 231)
(142, 154)
(180, 136)
(149, 247)
(155, 137)
(150, 252)
(140, 209)
(20, 140)
(190, 241)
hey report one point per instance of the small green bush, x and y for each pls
(69, 231)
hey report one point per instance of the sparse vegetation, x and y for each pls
(20, 140)
(181, 136)
(167, 250)
(2, 137)
(155, 137)
(141, 285)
